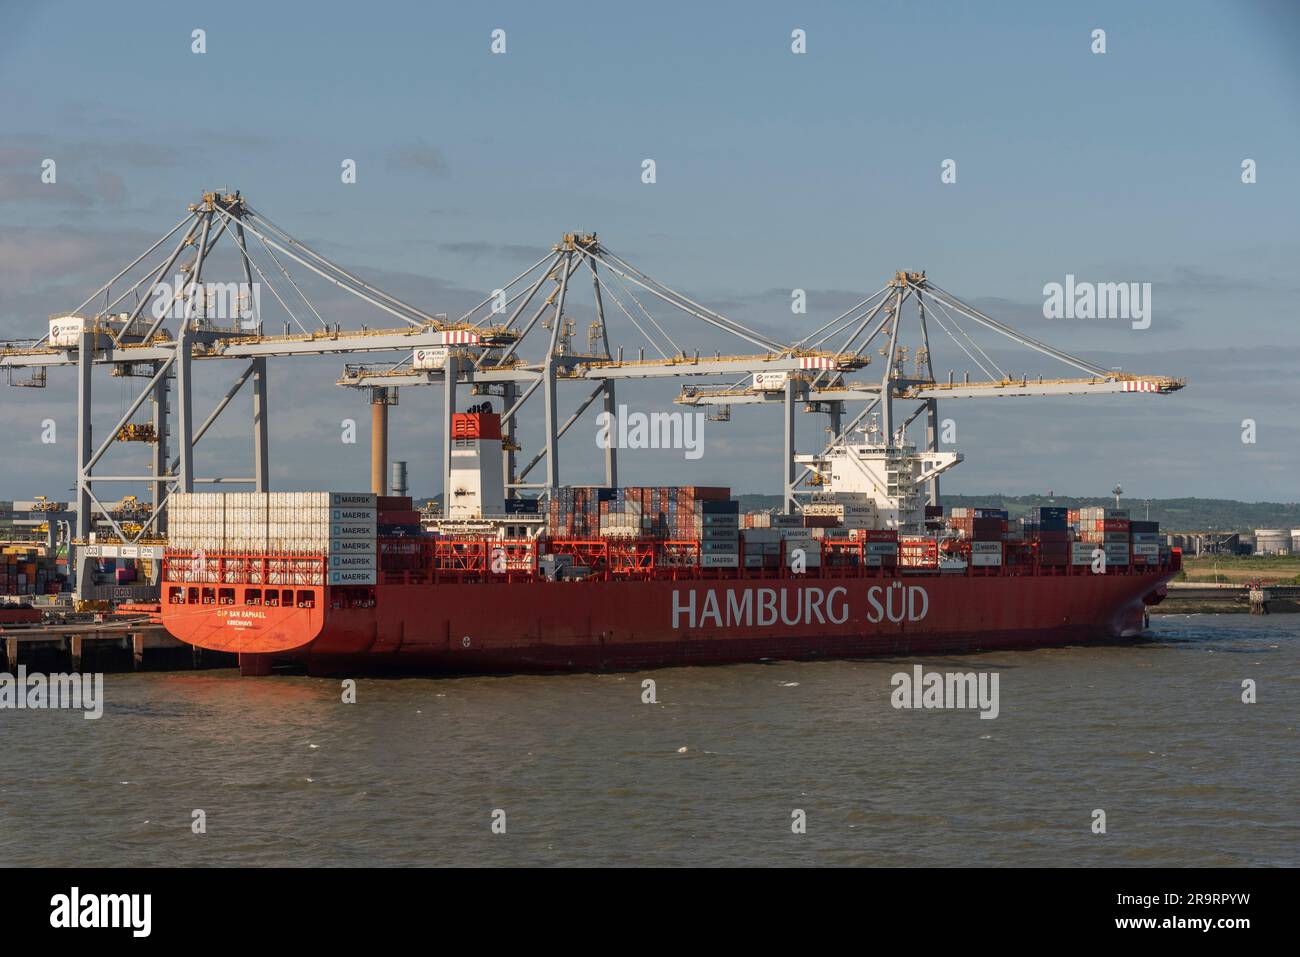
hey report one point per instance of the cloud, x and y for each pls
(109, 187)
(418, 157)
(86, 171)
(477, 250)
(27, 187)
(31, 256)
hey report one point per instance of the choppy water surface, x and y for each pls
(1154, 734)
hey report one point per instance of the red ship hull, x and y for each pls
(538, 626)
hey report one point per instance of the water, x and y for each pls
(1154, 734)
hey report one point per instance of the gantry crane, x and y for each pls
(812, 372)
(879, 318)
(165, 314)
(517, 343)
(488, 367)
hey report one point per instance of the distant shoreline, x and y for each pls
(1192, 606)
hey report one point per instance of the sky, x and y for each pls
(775, 171)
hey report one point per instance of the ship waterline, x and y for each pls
(520, 626)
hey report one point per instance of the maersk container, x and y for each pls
(351, 577)
(352, 546)
(352, 530)
(358, 500)
(355, 562)
(719, 548)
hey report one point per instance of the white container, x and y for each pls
(352, 562)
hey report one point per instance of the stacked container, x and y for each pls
(1050, 524)
(292, 529)
(574, 511)
(717, 526)
(397, 517)
(24, 570)
(620, 517)
(762, 547)
(1146, 542)
(652, 511)
(770, 520)
(1107, 528)
(979, 524)
(353, 527)
(880, 548)
(804, 540)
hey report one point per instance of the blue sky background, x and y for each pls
(775, 171)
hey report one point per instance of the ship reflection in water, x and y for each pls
(1155, 734)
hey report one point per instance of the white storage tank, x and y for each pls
(1272, 541)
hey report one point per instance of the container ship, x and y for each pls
(598, 578)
